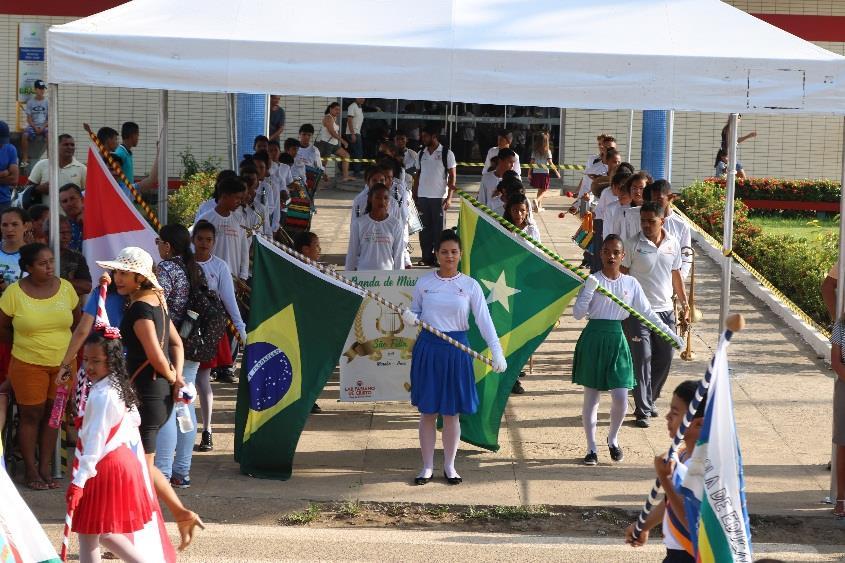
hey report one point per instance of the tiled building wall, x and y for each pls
(786, 146)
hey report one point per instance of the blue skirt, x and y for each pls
(442, 378)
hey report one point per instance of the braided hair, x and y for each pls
(118, 374)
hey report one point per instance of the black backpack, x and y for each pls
(209, 327)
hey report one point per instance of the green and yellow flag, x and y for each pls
(299, 320)
(526, 293)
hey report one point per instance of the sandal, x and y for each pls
(186, 529)
(37, 485)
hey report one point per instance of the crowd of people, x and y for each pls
(636, 253)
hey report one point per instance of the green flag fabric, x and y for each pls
(299, 320)
(526, 293)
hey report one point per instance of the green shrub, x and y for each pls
(779, 189)
(184, 202)
(797, 267)
(794, 265)
(704, 203)
(191, 166)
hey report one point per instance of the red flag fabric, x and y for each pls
(110, 220)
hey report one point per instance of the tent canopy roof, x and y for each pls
(698, 55)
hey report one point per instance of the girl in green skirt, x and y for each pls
(602, 360)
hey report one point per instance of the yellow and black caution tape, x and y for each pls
(796, 310)
(467, 164)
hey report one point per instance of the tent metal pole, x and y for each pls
(267, 115)
(231, 114)
(630, 135)
(840, 302)
(670, 133)
(727, 240)
(53, 197)
(561, 142)
(450, 122)
(162, 156)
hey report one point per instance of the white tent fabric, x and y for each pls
(700, 55)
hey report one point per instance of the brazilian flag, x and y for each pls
(526, 294)
(298, 323)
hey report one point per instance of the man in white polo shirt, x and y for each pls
(354, 122)
(71, 171)
(434, 185)
(653, 257)
(660, 192)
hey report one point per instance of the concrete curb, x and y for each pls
(819, 344)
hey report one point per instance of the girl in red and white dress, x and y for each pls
(107, 496)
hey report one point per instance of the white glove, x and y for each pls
(242, 334)
(410, 317)
(679, 340)
(591, 283)
(499, 362)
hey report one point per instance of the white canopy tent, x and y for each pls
(686, 55)
(696, 55)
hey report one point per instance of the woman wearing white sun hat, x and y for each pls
(154, 360)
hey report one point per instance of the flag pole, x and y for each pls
(379, 299)
(735, 323)
(137, 196)
(557, 258)
(119, 171)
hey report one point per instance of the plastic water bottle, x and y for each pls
(183, 417)
(188, 323)
(58, 407)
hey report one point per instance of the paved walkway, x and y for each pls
(222, 543)
(370, 451)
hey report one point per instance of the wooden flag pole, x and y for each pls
(379, 299)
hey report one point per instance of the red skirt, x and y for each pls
(223, 358)
(116, 499)
(540, 181)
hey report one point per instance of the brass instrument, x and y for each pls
(695, 315)
(257, 228)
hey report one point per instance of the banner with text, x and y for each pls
(376, 362)
(31, 66)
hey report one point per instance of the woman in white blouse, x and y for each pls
(442, 377)
(602, 359)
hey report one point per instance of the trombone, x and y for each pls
(685, 325)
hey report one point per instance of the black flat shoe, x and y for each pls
(452, 480)
(421, 480)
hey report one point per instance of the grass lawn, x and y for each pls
(804, 227)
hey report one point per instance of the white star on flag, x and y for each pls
(500, 291)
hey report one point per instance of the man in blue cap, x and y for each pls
(8, 166)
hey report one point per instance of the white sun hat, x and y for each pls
(133, 259)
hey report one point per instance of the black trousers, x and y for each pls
(431, 216)
(595, 245)
(652, 357)
(678, 556)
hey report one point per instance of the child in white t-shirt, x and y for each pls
(376, 240)
(307, 154)
(231, 244)
(542, 166)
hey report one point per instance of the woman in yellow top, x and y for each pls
(41, 309)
